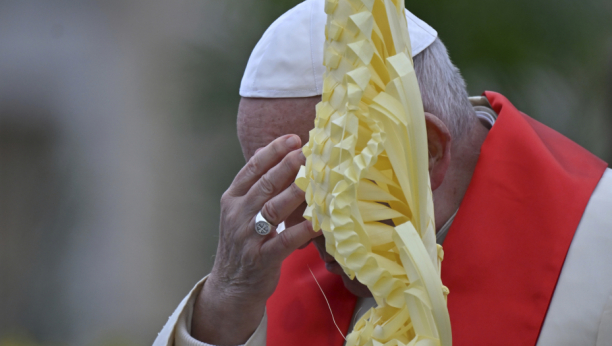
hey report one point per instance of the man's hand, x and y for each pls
(247, 265)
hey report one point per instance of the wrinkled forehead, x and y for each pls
(261, 120)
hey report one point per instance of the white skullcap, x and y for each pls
(288, 59)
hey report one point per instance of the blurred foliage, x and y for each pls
(534, 52)
(509, 34)
(552, 59)
(217, 91)
(18, 339)
(506, 37)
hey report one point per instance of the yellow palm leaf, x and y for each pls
(367, 168)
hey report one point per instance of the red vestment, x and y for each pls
(503, 254)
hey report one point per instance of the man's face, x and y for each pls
(260, 121)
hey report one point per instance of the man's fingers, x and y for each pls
(280, 207)
(274, 181)
(283, 244)
(261, 162)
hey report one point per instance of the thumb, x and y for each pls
(283, 244)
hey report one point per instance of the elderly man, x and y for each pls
(524, 214)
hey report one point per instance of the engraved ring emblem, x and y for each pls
(262, 226)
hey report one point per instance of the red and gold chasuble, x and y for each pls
(503, 254)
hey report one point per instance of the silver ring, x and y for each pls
(262, 226)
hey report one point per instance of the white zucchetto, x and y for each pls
(288, 59)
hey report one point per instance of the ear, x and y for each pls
(438, 144)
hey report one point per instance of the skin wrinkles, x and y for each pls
(449, 177)
(229, 307)
(232, 302)
(261, 120)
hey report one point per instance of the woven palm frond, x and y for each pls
(366, 175)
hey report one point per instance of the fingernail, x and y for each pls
(292, 141)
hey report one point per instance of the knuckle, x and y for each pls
(270, 212)
(253, 165)
(266, 186)
(232, 215)
(285, 240)
(225, 198)
(289, 163)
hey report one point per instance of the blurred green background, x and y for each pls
(117, 138)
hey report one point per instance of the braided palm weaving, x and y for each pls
(366, 175)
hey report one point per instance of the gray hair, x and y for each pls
(443, 89)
